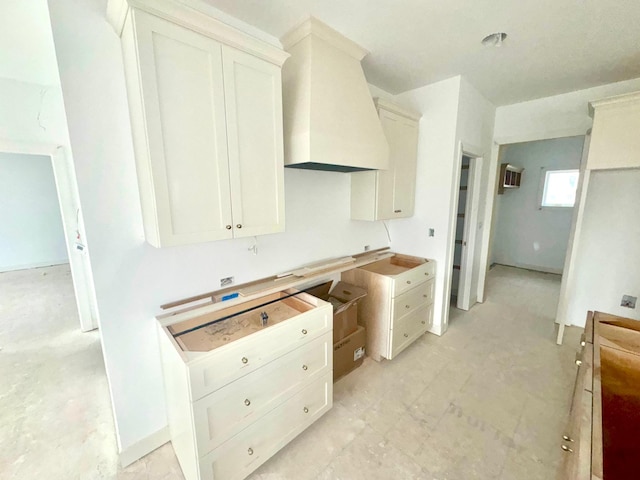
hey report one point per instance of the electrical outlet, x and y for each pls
(226, 281)
(366, 248)
(432, 232)
(628, 301)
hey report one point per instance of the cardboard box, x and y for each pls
(344, 298)
(348, 353)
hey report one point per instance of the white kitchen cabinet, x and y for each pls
(398, 308)
(386, 194)
(238, 391)
(615, 137)
(207, 130)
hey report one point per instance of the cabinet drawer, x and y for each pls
(413, 299)
(237, 359)
(249, 449)
(408, 328)
(225, 412)
(407, 280)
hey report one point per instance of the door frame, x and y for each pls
(463, 149)
(72, 223)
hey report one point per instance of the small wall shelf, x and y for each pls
(510, 177)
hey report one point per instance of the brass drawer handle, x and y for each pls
(304, 331)
(304, 367)
(566, 438)
(407, 306)
(423, 322)
(228, 227)
(406, 335)
(426, 274)
(566, 449)
(583, 340)
(425, 295)
(245, 360)
(247, 402)
(408, 282)
(306, 410)
(250, 451)
(397, 211)
(239, 225)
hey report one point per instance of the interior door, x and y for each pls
(466, 286)
(256, 154)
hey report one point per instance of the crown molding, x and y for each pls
(384, 104)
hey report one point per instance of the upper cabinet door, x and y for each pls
(404, 137)
(253, 95)
(184, 177)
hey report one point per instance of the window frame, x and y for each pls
(544, 184)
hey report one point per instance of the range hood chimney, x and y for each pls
(330, 120)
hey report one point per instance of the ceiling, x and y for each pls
(27, 53)
(553, 46)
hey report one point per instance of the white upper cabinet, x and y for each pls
(385, 194)
(207, 130)
(615, 137)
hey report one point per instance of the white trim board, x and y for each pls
(144, 446)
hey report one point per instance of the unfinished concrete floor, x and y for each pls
(486, 400)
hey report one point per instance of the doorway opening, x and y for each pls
(43, 224)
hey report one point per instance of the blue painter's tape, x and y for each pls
(230, 296)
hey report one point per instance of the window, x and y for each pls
(560, 188)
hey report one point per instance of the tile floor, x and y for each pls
(487, 400)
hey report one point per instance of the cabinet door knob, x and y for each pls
(397, 211)
(406, 335)
(228, 227)
(407, 306)
(247, 402)
(567, 438)
(583, 340)
(250, 451)
(426, 274)
(304, 331)
(245, 360)
(239, 225)
(304, 367)
(566, 449)
(423, 322)
(578, 362)
(425, 295)
(408, 282)
(306, 410)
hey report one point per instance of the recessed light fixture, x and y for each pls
(494, 40)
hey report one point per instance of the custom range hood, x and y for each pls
(330, 121)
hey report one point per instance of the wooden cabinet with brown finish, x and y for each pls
(601, 436)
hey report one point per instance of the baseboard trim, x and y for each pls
(29, 266)
(533, 268)
(144, 447)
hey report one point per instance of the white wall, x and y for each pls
(607, 261)
(563, 115)
(526, 235)
(31, 233)
(132, 278)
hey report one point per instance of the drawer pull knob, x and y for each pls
(239, 225)
(566, 449)
(426, 274)
(245, 360)
(407, 306)
(406, 335)
(250, 451)
(566, 438)
(247, 402)
(306, 410)
(578, 362)
(304, 331)
(397, 211)
(425, 295)
(423, 322)
(408, 282)
(583, 340)
(304, 367)
(228, 227)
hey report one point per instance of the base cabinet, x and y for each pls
(238, 391)
(398, 308)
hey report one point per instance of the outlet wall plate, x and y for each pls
(628, 301)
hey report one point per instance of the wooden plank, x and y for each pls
(588, 329)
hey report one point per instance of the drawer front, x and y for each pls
(411, 278)
(408, 328)
(228, 363)
(227, 411)
(242, 454)
(413, 299)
